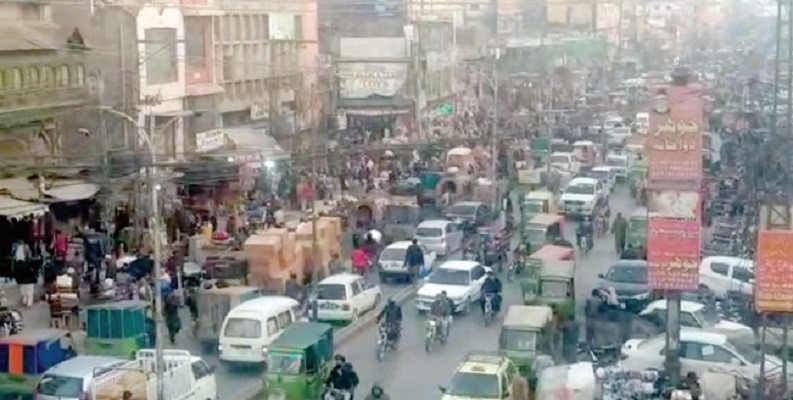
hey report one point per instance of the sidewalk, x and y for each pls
(36, 316)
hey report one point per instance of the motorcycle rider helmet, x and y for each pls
(339, 358)
(377, 390)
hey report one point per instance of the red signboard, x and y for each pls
(774, 272)
(673, 254)
(674, 142)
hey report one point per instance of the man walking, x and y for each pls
(414, 261)
(618, 229)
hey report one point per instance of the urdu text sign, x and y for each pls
(675, 155)
(773, 290)
(673, 254)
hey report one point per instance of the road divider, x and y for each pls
(347, 333)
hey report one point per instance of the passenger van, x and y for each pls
(441, 236)
(71, 379)
(250, 327)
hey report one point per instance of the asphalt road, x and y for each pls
(411, 373)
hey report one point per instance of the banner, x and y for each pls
(674, 204)
(673, 254)
(773, 267)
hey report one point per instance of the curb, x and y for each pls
(346, 334)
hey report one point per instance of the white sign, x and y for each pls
(209, 140)
(359, 80)
(259, 111)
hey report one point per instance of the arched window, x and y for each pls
(46, 77)
(63, 76)
(16, 79)
(3, 79)
(80, 76)
(34, 76)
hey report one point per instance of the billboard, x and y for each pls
(674, 204)
(773, 267)
(673, 254)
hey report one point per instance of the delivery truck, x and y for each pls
(186, 377)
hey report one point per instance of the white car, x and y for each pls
(696, 315)
(618, 135)
(607, 176)
(581, 196)
(565, 162)
(442, 236)
(620, 163)
(345, 297)
(391, 263)
(700, 352)
(461, 280)
(721, 275)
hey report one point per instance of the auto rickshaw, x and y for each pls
(636, 233)
(401, 217)
(555, 288)
(368, 213)
(299, 361)
(116, 329)
(538, 202)
(526, 332)
(213, 305)
(636, 177)
(27, 355)
(542, 229)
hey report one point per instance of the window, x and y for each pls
(33, 75)
(200, 369)
(79, 76)
(46, 77)
(243, 328)
(328, 291)
(16, 79)
(195, 34)
(2, 79)
(63, 76)
(742, 274)
(687, 319)
(161, 63)
(716, 354)
(478, 272)
(691, 350)
(284, 319)
(272, 326)
(356, 288)
(60, 386)
(720, 268)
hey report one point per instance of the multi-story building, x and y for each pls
(42, 77)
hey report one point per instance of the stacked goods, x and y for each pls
(274, 255)
(263, 253)
(134, 382)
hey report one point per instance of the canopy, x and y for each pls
(256, 140)
(71, 191)
(13, 208)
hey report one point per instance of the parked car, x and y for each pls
(700, 352)
(391, 263)
(462, 281)
(629, 280)
(698, 315)
(441, 236)
(345, 297)
(722, 275)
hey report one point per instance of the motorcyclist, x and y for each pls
(377, 393)
(441, 309)
(342, 376)
(585, 231)
(392, 316)
(491, 286)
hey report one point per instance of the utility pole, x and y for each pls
(317, 264)
(494, 128)
(619, 31)
(416, 47)
(155, 225)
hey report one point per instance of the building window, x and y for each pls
(2, 79)
(46, 77)
(16, 79)
(161, 63)
(79, 76)
(63, 76)
(195, 34)
(34, 76)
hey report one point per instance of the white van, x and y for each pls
(441, 236)
(250, 327)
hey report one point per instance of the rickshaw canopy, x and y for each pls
(546, 219)
(303, 335)
(528, 317)
(551, 252)
(562, 269)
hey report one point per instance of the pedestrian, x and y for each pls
(360, 260)
(172, 320)
(414, 261)
(618, 229)
(292, 287)
(520, 388)
(335, 266)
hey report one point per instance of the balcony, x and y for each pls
(31, 104)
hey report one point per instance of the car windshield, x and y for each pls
(518, 340)
(245, 328)
(429, 232)
(284, 363)
(747, 351)
(581, 188)
(476, 386)
(532, 206)
(328, 291)
(398, 214)
(459, 209)
(600, 175)
(626, 274)
(561, 159)
(638, 226)
(446, 276)
(616, 162)
(708, 316)
(60, 386)
(535, 233)
(392, 254)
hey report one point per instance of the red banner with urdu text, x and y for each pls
(773, 267)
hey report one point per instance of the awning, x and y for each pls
(71, 191)
(19, 188)
(256, 140)
(13, 208)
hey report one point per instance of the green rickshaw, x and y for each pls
(213, 305)
(636, 233)
(554, 287)
(542, 229)
(298, 362)
(636, 177)
(116, 329)
(26, 356)
(525, 333)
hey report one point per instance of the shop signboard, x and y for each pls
(673, 254)
(773, 266)
(209, 140)
(360, 80)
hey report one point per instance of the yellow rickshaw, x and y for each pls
(538, 202)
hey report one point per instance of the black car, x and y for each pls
(629, 280)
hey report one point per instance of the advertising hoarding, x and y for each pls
(774, 272)
(673, 254)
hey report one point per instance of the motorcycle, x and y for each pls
(489, 313)
(337, 394)
(601, 356)
(585, 244)
(10, 322)
(434, 333)
(382, 342)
